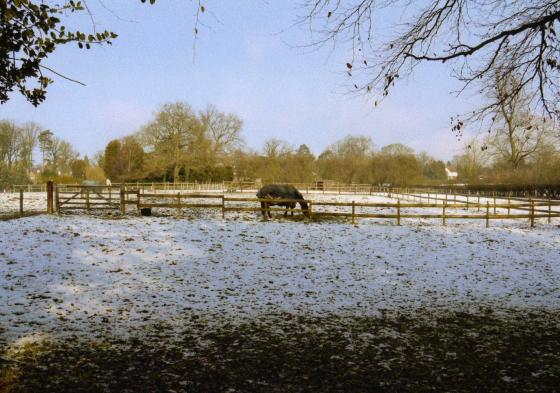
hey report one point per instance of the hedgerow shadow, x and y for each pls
(287, 353)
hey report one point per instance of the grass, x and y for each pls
(422, 352)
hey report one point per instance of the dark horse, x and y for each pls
(281, 191)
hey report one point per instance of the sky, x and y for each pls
(246, 60)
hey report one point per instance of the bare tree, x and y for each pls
(169, 135)
(274, 148)
(60, 155)
(519, 135)
(347, 159)
(10, 143)
(397, 149)
(471, 162)
(223, 130)
(473, 35)
(17, 143)
(396, 164)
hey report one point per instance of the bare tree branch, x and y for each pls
(474, 36)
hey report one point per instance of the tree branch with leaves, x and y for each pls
(31, 31)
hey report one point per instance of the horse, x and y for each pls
(281, 191)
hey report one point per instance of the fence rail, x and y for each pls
(89, 198)
(470, 199)
(222, 187)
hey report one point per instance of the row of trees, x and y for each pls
(353, 159)
(180, 144)
(20, 143)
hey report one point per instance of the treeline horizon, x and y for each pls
(182, 145)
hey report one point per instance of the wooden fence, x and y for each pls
(439, 206)
(11, 214)
(91, 199)
(22, 208)
(469, 199)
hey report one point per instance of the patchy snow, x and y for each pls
(81, 275)
(32, 202)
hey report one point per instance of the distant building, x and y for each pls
(450, 174)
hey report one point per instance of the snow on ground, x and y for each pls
(32, 202)
(79, 274)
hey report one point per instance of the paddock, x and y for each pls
(174, 289)
(393, 206)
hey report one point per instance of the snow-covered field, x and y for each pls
(84, 275)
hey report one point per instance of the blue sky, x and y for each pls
(247, 62)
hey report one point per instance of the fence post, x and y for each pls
(50, 192)
(443, 214)
(487, 214)
(494, 192)
(138, 202)
(87, 201)
(509, 202)
(532, 213)
(478, 202)
(21, 202)
(310, 209)
(398, 212)
(57, 198)
(179, 211)
(122, 200)
(549, 210)
(353, 212)
(223, 207)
